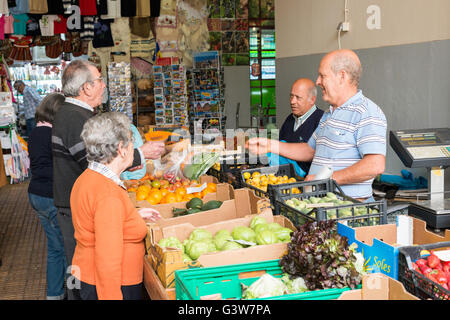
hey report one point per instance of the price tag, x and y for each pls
(243, 242)
(196, 189)
(443, 255)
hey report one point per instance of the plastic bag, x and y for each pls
(169, 166)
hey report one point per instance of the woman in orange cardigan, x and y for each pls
(109, 231)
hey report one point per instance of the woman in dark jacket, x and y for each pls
(40, 192)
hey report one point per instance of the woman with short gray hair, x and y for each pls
(102, 135)
(109, 231)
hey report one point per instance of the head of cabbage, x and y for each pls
(266, 237)
(171, 242)
(243, 233)
(200, 234)
(195, 248)
(265, 286)
(283, 234)
(231, 245)
(221, 238)
(257, 221)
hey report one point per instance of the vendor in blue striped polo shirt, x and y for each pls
(351, 135)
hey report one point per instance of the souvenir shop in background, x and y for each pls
(162, 60)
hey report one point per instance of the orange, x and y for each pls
(188, 197)
(141, 195)
(212, 187)
(171, 198)
(181, 191)
(164, 192)
(132, 189)
(146, 188)
(179, 197)
(186, 183)
(196, 195)
(205, 192)
(156, 195)
(151, 201)
(164, 183)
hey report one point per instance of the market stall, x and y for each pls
(232, 225)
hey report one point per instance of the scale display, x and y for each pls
(423, 147)
(427, 148)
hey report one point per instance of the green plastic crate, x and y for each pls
(191, 284)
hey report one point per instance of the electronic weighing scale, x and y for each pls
(427, 148)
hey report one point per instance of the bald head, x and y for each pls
(345, 60)
(303, 96)
(339, 74)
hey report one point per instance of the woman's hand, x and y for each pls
(149, 214)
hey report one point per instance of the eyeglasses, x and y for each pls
(92, 81)
(99, 78)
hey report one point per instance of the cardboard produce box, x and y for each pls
(153, 285)
(165, 261)
(236, 204)
(203, 179)
(377, 286)
(379, 244)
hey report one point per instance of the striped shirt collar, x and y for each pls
(105, 171)
(79, 103)
(349, 101)
(303, 118)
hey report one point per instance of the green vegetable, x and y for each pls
(265, 286)
(231, 245)
(314, 200)
(223, 232)
(274, 226)
(170, 242)
(194, 203)
(200, 164)
(283, 234)
(331, 195)
(266, 237)
(243, 233)
(212, 204)
(179, 212)
(256, 221)
(323, 258)
(260, 227)
(200, 234)
(193, 210)
(197, 248)
(297, 285)
(220, 240)
(186, 258)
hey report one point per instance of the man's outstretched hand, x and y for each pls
(260, 145)
(152, 149)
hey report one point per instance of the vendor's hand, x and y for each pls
(260, 145)
(310, 177)
(149, 214)
(152, 149)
